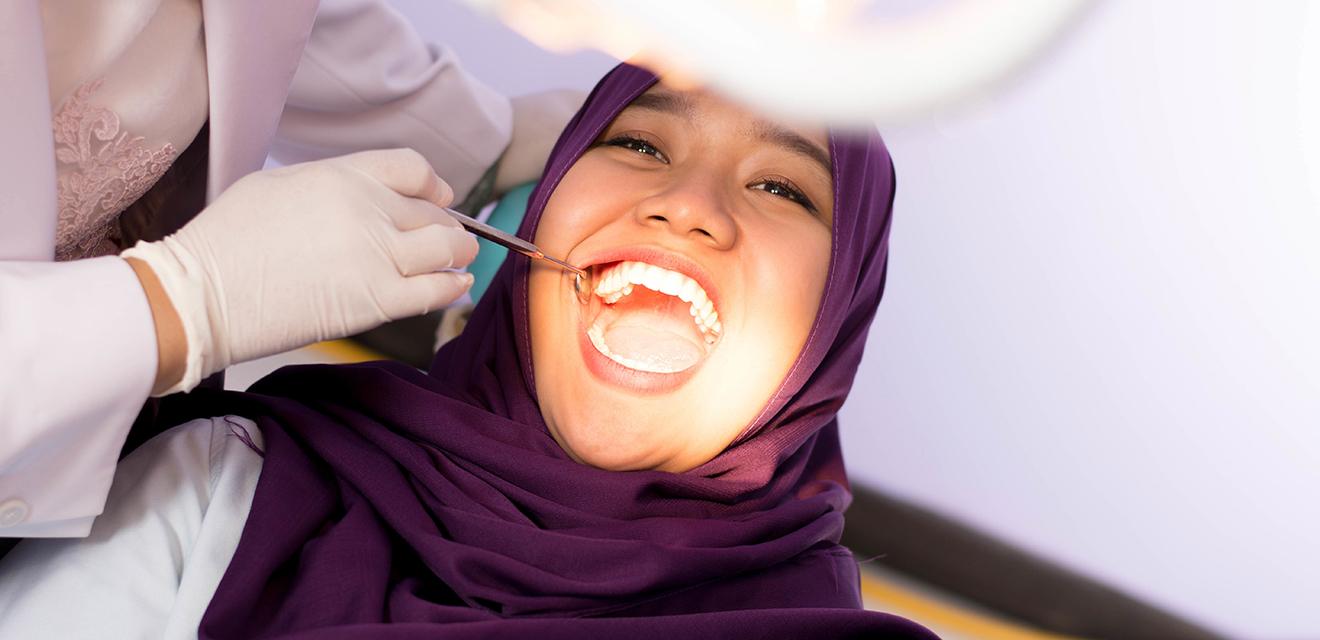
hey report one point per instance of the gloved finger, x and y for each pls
(412, 213)
(432, 248)
(424, 293)
(405, 171)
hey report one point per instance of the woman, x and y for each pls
(122, 120)
(651, 452)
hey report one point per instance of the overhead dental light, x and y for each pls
(829, 60)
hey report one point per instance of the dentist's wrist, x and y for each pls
(171, 343)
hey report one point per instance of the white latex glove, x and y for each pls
(310, 252)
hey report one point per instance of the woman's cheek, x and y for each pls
(803, 286)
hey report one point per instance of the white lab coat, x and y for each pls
(77, 343)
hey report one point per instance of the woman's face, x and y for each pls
(707, 234)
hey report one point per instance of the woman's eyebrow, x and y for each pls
(794, 143)
(678, 104)
(665, 102)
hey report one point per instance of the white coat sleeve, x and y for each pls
(77, 360)
(368, 81)
(153, 560)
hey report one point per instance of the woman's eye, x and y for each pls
(639, 145)
(786, 191)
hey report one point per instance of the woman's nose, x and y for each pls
(693, 209)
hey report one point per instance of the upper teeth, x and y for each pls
(618, 281)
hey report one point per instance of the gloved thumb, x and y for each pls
(403, 170)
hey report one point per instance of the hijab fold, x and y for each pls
(395, 503)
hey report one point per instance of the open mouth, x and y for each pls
(648, 318)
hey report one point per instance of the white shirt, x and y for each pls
(153, 560)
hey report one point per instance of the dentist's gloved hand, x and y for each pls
(308, 252)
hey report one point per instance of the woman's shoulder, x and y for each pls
(165, 489)
(170, 525)
(198, 454)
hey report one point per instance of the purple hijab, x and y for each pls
(397, 504)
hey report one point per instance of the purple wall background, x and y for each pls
(1100, 336)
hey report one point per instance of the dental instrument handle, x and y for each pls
(510, 241)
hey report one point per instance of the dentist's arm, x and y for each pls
(367, 80)
(77, 359)
(280, 260)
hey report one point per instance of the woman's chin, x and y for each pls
(610, 455)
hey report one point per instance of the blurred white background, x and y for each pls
(1100, 336)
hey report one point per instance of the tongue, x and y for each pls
(652, 331)
(652, 347)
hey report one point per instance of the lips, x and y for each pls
(649, 318)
